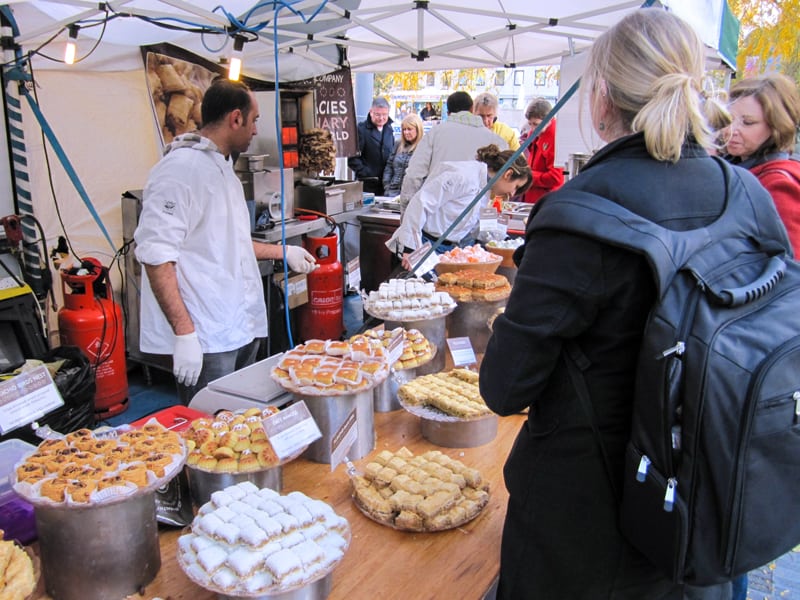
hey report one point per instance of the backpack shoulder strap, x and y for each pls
(590, 215)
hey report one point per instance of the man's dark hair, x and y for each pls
(458, 102)
(222, 97)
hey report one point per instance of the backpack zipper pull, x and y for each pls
(641, 472)
(796, 398)
(678, 349)
(669, 495)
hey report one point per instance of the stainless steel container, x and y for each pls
(460, 434)
(331, 413)
(435, 331)
(385, 395)
(471, 319)
(104, 552)
(316, 590)
(202, 483)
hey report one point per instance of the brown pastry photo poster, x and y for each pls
(176, 87)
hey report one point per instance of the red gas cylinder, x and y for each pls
(92, 321)
(322, 316)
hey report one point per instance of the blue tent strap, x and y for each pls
(51, 137)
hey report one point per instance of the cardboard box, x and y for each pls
(298, 288)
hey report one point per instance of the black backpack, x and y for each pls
(712, 470)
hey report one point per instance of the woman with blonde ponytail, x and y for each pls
(577, 300)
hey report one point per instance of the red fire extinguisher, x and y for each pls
(322, 316)
(92, 321)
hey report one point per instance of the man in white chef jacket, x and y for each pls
(202, 298)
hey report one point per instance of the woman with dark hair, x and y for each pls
(766, 115)
(449, 189)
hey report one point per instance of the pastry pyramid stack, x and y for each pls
(248, 541)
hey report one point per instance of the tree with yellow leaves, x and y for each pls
(768, 37)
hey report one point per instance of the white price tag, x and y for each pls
(416, 256)
(461, 351)
(354, 274)
(395, 347)
(27, 397)
(488, 219)
(343, 439)
(291, 430)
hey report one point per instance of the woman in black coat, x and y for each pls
(561, 538)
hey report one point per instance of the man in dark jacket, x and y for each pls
(375, 145)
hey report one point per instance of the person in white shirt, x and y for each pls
(202, 297)
(449, 189)
(458, 138)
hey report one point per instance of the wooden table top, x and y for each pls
(382, 562)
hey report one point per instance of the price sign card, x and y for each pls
(488, 219)
(461, 351)
(291, 430)
(395, 347)
(343, 439)
(416, 256)
(26, 397)
(354, 274)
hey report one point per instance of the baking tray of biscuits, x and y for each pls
(451, 396)
(423, 493)
(407, 300)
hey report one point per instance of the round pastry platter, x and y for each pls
(453, 525)
(401, 318)
(272, 590)
(309, 390)
(434, 414)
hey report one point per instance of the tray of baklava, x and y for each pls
(426, 492)
(450, 396)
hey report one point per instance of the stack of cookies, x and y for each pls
(455, 393)
(416, 348)
(17, 578)
(471, 285)
(249, 541)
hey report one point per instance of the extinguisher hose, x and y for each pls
(328, 218)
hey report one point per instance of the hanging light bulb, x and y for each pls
(235, 63)
(71, 48)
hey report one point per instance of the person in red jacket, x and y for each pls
(761, 138)
(542, 152)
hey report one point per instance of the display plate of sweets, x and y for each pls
(427, 492)
(472, 285)
(250, 542)
(407, 300)
(472, 257)
(332, 367)
(86, 468)
(416, 350)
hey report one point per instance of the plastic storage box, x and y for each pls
(16, 515)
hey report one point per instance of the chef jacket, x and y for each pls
(451, 186)
(194, 214)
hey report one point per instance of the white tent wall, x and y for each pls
(105, 125)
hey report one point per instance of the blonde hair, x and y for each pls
(780, 101)
(414, 121)
(651, 66)
(495, 159)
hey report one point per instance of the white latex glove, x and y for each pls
(187, 359)
(300, 260)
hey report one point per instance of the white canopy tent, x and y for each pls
(99, 108)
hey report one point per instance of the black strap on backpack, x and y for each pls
(577, 362)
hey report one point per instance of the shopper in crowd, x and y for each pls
(410, 135)
(561, 537)
(766, 115)
(375, 145)
(458, 138)
(202, 298)
(428, 112)
(449, 189)
(486, 107)
(542, 151)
